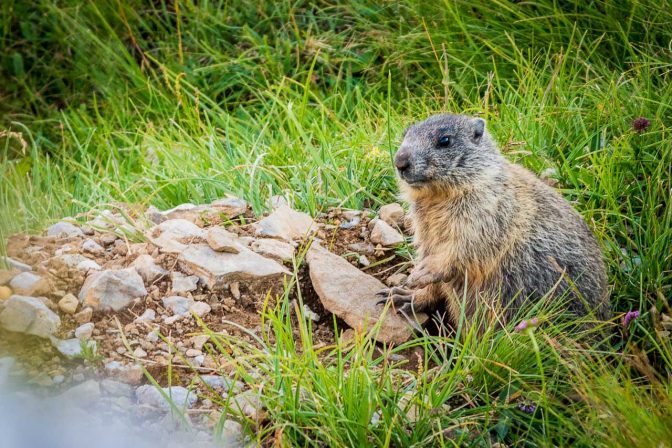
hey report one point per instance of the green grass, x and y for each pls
(151, 103)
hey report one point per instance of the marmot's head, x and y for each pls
(445, 150)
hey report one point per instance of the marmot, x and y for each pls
(488, 230)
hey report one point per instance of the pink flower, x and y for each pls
(640, 124)
(525, 324)
(629, 317)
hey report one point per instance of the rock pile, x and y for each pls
(131, 288)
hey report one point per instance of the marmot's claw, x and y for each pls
(387, 292)
(398, 297)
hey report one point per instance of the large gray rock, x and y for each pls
(286, 223)
(383, 233)
(181, 397)
(216, 269)
(64, 229)
(29, 284)
(351, 295)
(29, 315)
(148, 269)
(172, 236)
(113, 289)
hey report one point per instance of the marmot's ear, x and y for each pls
(478, 127)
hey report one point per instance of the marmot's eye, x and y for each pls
(445, 141)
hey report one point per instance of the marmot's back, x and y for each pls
(558, 243)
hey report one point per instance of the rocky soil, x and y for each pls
(88, 305)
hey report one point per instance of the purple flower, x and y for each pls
(525, 324)
(640, 124)
(629, 317)
(527, 408)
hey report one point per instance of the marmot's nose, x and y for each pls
(402, 160)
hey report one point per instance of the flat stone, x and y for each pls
(14, 264)
(148, 269)
(92, 247)
(285, 223)
(29, 315)
(275, 249)
(84, 331)
(127, 373)
(217, 269)
(64, 229)
(139, 353)
(113, 289)
(183, 283)
(172, 235)
(181, 397)
(393, 214)
(383, 233)
(221, 240)
(29, 284)
(350, 294)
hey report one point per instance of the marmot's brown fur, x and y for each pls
(489, 229)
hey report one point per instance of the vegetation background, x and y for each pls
(165, 102)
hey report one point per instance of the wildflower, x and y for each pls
(527, 408)
(640, 124)
(525, 324)
(629, 317)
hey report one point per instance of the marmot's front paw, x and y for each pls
(401, 298)
(424, 274)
